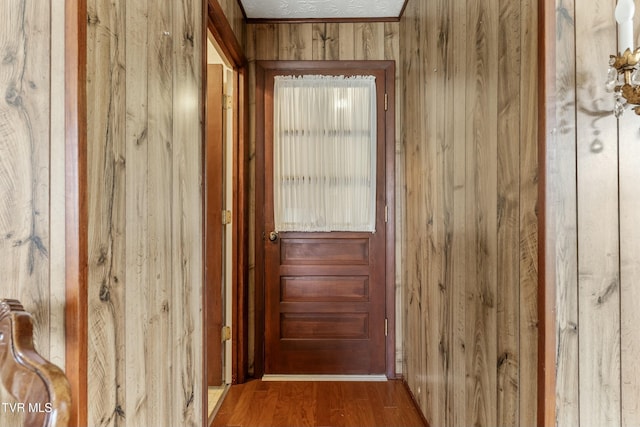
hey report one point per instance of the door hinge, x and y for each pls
(386, 213)
(386, 327)
(227, 102)
(386, 102)
(226, 217)
(226, 333)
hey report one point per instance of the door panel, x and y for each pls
(214, 168)
(324, 292)
(336, 251)
(324, 288)
(324, 325)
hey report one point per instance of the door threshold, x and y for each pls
(275, 377)
(215, 397)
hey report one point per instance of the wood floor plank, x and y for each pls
(242, 410)
(296, 405)
(318, 403)
(358, 405)
(225, 412)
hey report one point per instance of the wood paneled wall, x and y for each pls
(469, 83)
(32, 170)
(592, 236)
(144, 96)
(323, 41)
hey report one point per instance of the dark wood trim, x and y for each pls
(546, 284)
(217, 24)
(241, 231)
(244, 13)
(384, 65)
(262, 70)
(316, 20)
(224, 35)
(204, 392)
(404, 7)
(259, 273)
(76, 243)
(390, 73)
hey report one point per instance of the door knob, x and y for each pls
(273, 236)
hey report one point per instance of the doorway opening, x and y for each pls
(225, 213)
(218, 237)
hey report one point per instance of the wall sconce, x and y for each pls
(624, 77)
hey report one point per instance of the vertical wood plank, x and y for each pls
(368, 40)
(186, 218)
(598, 256)
(391, 45)
(266, 38)
(137, 212)
(480, 310)
(295, 42)
(458, 398)
(32, 101)
(561, 205)
(325, 41)
(448, 58)
(106, 109)
(158, 406)
(57, 185)
(346, 48)
(434, 106)
(319, 41)
(508, 286)
(529, 206)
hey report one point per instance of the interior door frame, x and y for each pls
(547, 360)
(217, 24)
(76, 209)
(262, 68)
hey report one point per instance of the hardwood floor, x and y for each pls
(318, 403)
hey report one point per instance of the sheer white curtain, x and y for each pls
(324, 153)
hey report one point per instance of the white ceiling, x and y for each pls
(321, 9)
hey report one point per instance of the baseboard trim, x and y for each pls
(272, 377)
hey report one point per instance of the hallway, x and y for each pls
(261, 403)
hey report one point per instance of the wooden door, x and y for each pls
(214, 228)
(324, 293)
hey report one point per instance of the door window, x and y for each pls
(324, 153)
